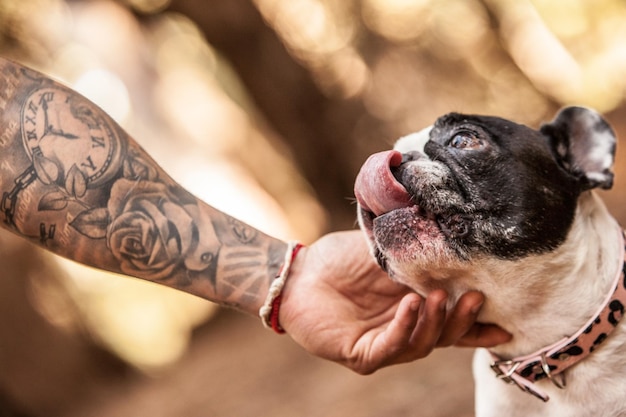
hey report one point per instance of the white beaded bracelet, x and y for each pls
(269, 310)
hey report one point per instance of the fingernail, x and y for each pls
(476, 308)
(415, 305)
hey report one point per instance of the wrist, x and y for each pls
(270, 311)
(290, 308)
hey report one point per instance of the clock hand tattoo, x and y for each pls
(49, 128)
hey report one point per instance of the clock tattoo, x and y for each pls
(64, 129)
(71, 145)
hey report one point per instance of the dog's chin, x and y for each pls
(408, 243)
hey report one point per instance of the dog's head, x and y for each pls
(473, 187)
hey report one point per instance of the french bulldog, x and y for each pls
(483, 203)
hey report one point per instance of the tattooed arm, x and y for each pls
(74, 182)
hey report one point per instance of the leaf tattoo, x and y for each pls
(55, 200)
(47, 170)
(76, 182)
(92, 223)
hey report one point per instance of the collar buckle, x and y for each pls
(505, 375)
(505, 371)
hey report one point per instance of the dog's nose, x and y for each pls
(413, 156)
(410, 156)
(376, 189)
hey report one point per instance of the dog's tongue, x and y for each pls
(376, 189)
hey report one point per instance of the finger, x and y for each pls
(397, 336)
(462, 317)
(484, 335)
(430, 324)
(394, 340)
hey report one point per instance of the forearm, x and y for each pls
(74, 182)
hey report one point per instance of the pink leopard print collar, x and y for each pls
(550, 362)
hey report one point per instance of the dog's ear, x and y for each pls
(584, 145)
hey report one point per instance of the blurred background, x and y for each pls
(266, 109)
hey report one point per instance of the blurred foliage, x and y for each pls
(512, 58)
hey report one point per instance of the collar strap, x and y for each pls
(550, 362)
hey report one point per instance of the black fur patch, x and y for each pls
(516, 198)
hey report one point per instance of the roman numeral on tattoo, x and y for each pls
(88, 164)
(97, 142)
(47, 96)
(31, 135)
(32, 107)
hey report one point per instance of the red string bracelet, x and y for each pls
(270, 311)
(274, 315)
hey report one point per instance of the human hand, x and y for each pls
(339, 305)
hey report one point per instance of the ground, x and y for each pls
(236, 368)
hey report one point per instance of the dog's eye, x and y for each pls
(466, 141)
